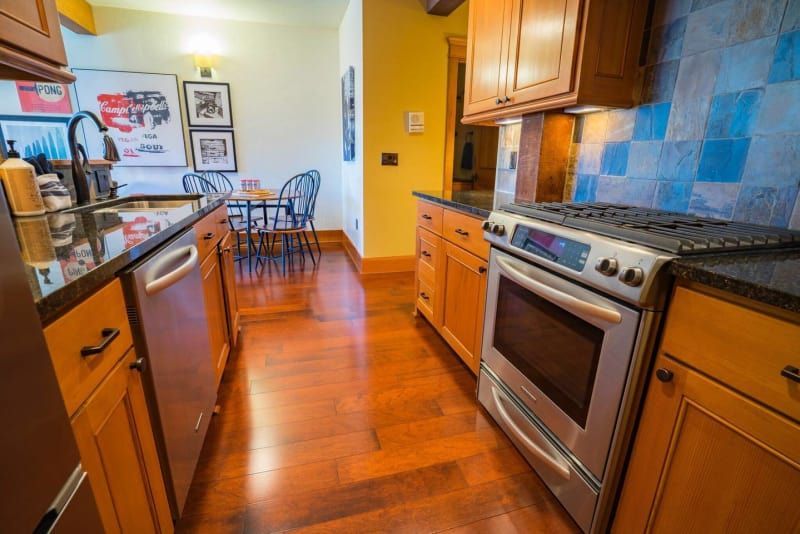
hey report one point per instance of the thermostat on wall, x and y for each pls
(415, 121)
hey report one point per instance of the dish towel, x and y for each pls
(54, 194)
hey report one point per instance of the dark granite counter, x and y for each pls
(70, 255)
(478, 203)
(771, 277)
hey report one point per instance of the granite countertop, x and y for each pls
(70, 255)
(478, 203)
(771, 277)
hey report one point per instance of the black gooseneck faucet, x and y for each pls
(83, 190)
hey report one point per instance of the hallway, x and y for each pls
(341, 412)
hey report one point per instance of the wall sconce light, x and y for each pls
(204, 62)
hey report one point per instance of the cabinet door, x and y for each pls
(33, 26)
(543, 44)
(464, 295)
(229, 281)
(118, 451)
(216, 313)
(707, 459)
(487, 50)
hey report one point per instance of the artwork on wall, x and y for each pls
(37, 97)
(35, 135)
(208, 104)
(142, 112)
(349, 114)
(213, 150)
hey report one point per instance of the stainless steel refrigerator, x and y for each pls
(43, 487)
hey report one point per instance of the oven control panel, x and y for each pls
(560, 250)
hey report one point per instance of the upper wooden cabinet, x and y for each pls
(31, 47)
(533, 55)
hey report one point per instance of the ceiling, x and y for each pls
(316, 13)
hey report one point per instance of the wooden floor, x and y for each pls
(341, 412)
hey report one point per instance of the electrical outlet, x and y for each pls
(356, 223)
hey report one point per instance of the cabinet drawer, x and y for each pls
(209, 231)
(87, 342)
(740, 347)
(426, 299)
(465, 232)
(429, 216)
(429, 248)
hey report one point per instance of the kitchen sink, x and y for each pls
(139, 203)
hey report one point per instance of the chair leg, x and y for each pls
(316, 239)
(310, 252)
(284, 246)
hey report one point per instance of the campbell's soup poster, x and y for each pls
(142, 112)
(35, 97)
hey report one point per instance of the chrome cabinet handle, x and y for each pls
(459, 231)
(426, 217)
(564, 300)
(791, 372)
(560, 467)
(109, 335)
(498, 100)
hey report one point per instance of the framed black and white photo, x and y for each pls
(208, 104)
(213, 150)
(349, 114)
(142, 111)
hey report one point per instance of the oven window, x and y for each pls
(553, 348)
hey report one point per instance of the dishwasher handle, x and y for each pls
(172, 277)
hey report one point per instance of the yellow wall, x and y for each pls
(405, 69)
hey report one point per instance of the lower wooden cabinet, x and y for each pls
(118, 451)
(216, 313)
(229, 281)
(463, 293)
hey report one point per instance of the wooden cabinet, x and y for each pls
(31, 47)
(216, 313)
(714, 451)
(451, 278)
(532, 55)
(227, 264)
(118, 451)
(463, 293)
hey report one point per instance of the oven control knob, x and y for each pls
(631, 276)
(606, 266)
(487, 226)
(498, 229)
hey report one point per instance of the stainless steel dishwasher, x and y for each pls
(167, 312)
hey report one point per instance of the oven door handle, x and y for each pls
(562, 299)
(560, 467)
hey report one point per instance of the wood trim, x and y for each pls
(16, 65)
(352, 251)
(457, 54)
(388, 264)
(92, 162)
(77, 15)
(560, 101)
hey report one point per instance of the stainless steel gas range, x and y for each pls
(574, 302)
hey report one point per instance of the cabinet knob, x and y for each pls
(665, 375)
(424, 296)
(208, 236)
(507, 99)
(498, 101)
(426, 217)
(482, 269)
(140, 364)
(426, 253)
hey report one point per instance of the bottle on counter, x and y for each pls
(22, 189)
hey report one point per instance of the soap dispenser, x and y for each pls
(22, 189)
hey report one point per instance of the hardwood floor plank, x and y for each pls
(545, 516)
(405, 434)
(493, 465)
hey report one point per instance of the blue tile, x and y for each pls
(707, 28)
(791, 20)
(678, 161)
(713, 199)
(615, 159)
(753, 19)
(784, 204)
(755, 204)
(786, 65)
(723, 160)
(733, 114)
(773, 160)
(780, 109)
(666, 41)
(651, 122)
(643, 159)
(585, 188)
(673, 196)
(619, 190)
(745, 66)
(659, 82)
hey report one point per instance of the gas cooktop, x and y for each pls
(676, 233)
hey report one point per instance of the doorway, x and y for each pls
(470, 149)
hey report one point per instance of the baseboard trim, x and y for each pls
(352, 251)
(386, 264)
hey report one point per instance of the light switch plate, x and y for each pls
(389, 158)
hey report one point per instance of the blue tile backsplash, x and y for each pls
(718, 130)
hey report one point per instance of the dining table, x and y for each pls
(249, 198)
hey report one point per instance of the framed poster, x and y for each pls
(142, 112)
(213, 150)
(35, 135)
(38, 97)
(349, 114)
(208, 104)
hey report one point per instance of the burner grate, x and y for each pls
(678, 233)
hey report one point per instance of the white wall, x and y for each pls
(284, 88)
(351, 54)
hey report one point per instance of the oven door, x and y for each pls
(564, 350)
